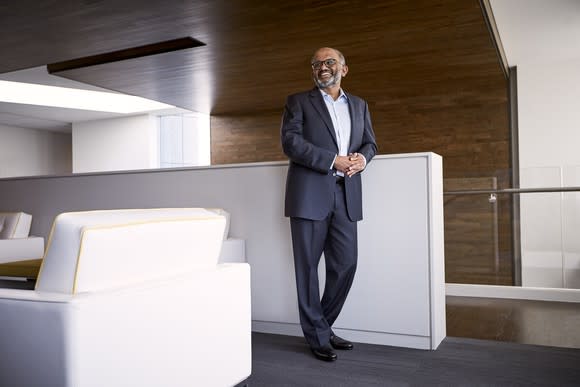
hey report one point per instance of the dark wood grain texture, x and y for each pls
(427, 68)
(475, 252)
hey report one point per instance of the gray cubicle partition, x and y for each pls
(398, 297)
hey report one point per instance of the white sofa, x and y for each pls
(15, 243)
(233, 249)
(130, 298)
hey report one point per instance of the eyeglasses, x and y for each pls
(328, 63)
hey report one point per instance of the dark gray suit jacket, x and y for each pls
(309, 141)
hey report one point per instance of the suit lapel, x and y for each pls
(318, 103)
(354, 129)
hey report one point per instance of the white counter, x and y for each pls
(398, 295)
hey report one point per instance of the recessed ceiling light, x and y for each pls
(63, 97)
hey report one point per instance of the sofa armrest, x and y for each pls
(18, 295)
(14, 225)
(21, 249)
(180, 324)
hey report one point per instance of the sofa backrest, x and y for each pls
(14, 225)
(226, 215)
(98, 250)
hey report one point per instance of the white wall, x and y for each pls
(126, 143)
(29, 152)
(540, 39)
(549, 114)
(549, 148)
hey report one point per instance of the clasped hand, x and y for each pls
(349, 165)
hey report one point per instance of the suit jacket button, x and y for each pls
(334, 174)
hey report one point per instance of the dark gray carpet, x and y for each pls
(286, 361)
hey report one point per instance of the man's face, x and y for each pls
(327, 71)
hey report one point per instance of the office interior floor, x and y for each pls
(555, 324)
(490, 342)
(285, 361)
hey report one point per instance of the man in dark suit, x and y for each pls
(328, 136)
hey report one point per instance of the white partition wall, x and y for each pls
(398, 296)
(115, 144)
(30, 152)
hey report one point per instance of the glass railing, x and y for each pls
(520, 237)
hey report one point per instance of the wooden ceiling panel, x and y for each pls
(256, 51)
(181, 78)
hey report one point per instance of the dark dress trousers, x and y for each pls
(323, 213)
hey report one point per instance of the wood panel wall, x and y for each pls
(246, 139)
(433, 82)
(431, 77)
(477, 234)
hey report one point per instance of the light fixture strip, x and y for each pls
(63, 97)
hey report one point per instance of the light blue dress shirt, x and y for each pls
(340, 116)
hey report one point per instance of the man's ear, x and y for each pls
(344, 70)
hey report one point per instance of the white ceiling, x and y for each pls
(42, 117)
(538, 31)
(50, 118)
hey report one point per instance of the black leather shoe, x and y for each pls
(338, 343)
(324, 353)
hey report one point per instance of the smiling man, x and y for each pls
(328, 136)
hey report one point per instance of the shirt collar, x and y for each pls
(342, 94)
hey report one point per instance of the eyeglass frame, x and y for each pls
(318, 64)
